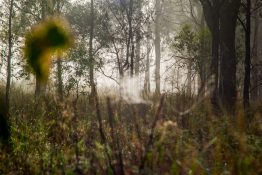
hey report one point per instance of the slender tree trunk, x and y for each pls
(120, 54)
(138, 42)
(227, 89)
(202, 64)
(132, 56)
(247, 57)
(157, 46)
(121, 70)
(92, 62)
(130, 42)
(177, 78)
(189, 77)
(59, 65)
(59, 79)
(39, 86)
(137, 58)
(147, 72)
(256, 35)
(8, 81)
(212, 16)
(131, 37)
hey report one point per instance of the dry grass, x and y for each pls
(50, 137)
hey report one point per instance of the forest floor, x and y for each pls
(70, 137)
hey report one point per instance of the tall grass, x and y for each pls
(54, 137)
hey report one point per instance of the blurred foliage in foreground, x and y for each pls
(46, 38)
(63, 138)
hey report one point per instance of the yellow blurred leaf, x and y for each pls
(45, 39)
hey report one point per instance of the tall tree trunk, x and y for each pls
(8, 81)
(212, 16)
(138, 53)
(92, 62)
(189, 78)
(157, 46)
(178, 78)
(39, 86)
(215, 61)
(132, 56)
(138, 41)
(227, 88)
(147, 72)
(59, 65)
(202, 63)
(256, 42)
(221, 17)
(247, 57)
(131, 37)
(59, 79)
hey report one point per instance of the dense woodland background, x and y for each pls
(132, 87)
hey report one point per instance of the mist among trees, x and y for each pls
(130, 87)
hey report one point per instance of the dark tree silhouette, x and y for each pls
(221, 18)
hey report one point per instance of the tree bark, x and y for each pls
(221, 17)
(92, 62)
(131, 38)
(215, 62)
(246, 92)
(59, 65)
(227, 89)
(10, 44)
(60, 79)
(138, 52)
(256, 58)
(212, 16)
(157, 47)
(138, 41)
(203, 58)
(189, 77)
(147, 72)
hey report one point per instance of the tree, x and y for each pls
(138, 40)
(256, 34)
(198, 19)
(147, 65)
(192, 48)
(39, 86)
(211, 9)
(90, 24)
(8, 81)
(90, 52)
(247, 27)
(221, 18)
(227, 83)
(157, 45)
(59, 65)
(127, 35)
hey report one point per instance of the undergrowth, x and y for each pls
(53, 137)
